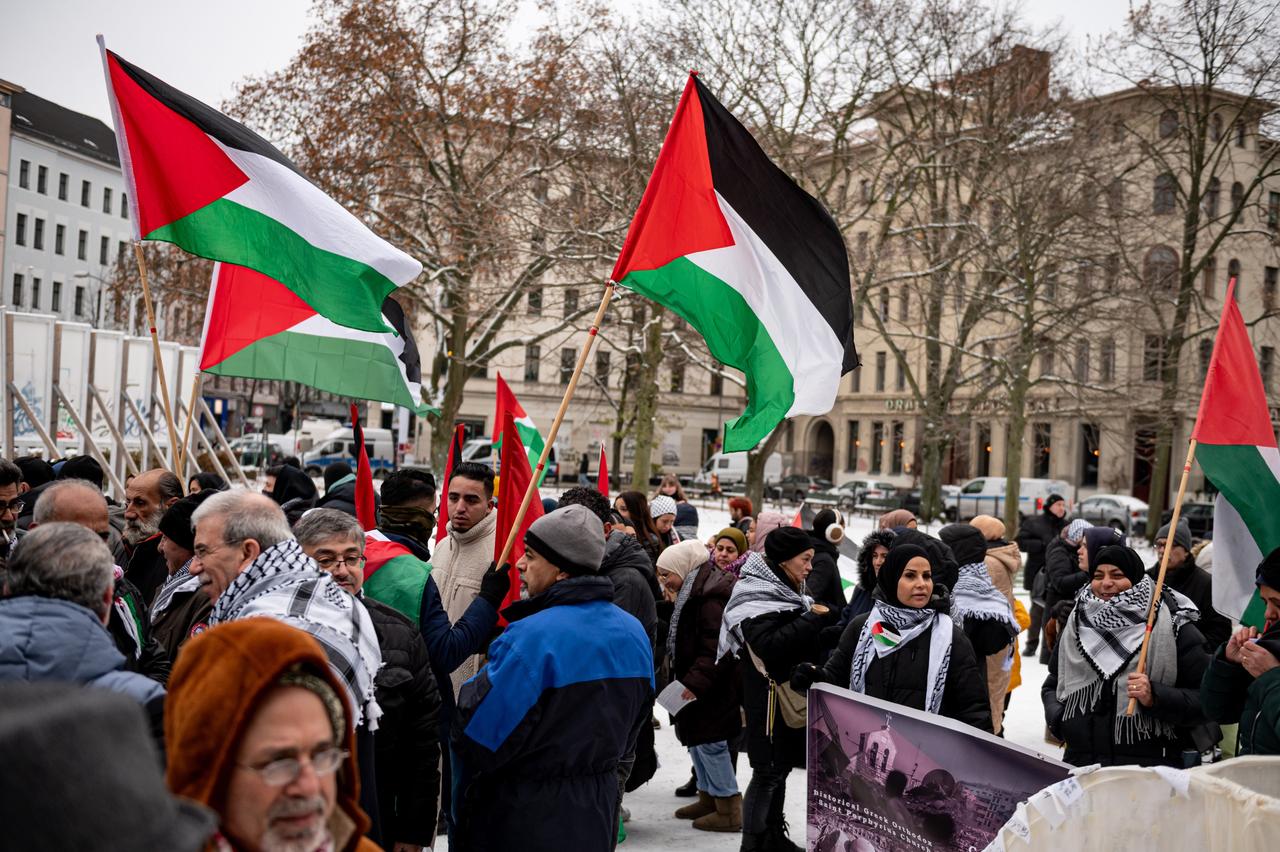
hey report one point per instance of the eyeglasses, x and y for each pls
(14, 506)
(351, 563)
(202, 551)
(278, 773)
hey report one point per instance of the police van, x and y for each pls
(340, 446)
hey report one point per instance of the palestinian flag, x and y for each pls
(257, 328)
(528, 433)
(442, 488)
(516, 478)
(394, 576)
(728, 241)
(883, 636)
(216, 189)
(1236, 448)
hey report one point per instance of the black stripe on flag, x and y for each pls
(394, 312)
(792, 223)
(231, 133)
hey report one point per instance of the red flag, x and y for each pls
(505, 401)
(602, 480)
(442, 489)
(516, 476)
(366, 511)
(798, 520)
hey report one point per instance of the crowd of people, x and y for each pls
(278, 677)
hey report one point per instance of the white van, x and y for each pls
(339, 446)
(731, 469)
(985, 496)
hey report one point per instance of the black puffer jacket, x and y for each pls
(823, 583)
(901, 677)
(342, 496)
(627, 565)
(945, 568)
(407, 742)
(1063, 577)
(1034, 538)
(1196, 583)
(716, 714)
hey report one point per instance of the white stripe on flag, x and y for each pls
(1235, 559)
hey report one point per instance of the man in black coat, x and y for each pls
(1185, 576)
(147, 497)
(1033, 539)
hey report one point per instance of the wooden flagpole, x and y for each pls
(555, 424)
(186, 430)
(1164, 566)
(155, 346)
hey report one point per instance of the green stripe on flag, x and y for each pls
(400, 584)
(735, 336)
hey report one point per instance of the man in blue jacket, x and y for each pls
(541, 729)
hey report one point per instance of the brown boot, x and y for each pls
(728, 816)
(704, 806)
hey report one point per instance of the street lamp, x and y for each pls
(97, 310)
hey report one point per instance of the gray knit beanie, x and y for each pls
(570, 539)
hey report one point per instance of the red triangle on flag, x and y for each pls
(442, 487)
(244, 307)
(602, 478)
(505, 401)
(1233, 405)
(516, 476)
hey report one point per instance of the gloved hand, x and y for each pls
(495, 584)
(805, 676)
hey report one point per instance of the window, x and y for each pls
(1237, 198)
(24, 174)
(56, 304)
(1168, 123)
(1165, 199)
(106, 200)
(1152, 358)
(1215, 127)
(104, 249)
(884, 305)
(85, 189)
(35, 294)
(677, 376)
(121, 249)
(1208, 277)
(1206, 353)
(1115, 196)
(59, 239)
(63, 180)
(1090, 451)
(532, 357)
(1043, 444)
(880, 366)
(570, 302)
(1050, 286)
(904, 308)
(1084, 282)
(857, 309)
(79, 304)
(855, 379)
(1233, 271)
(42, 180)
(1160, 268)
(535, 303)
(20, 230)
(124, 205)
(898, 447)
(1107, 362)
(1113, 270)
(901, 382)
(37, 235)
(568, 358)
(1082, 361)
(877, 447)
(1266, 361)
(1046, 362)
(602, 368)
(82, 245)
(864, 190)
(984, 449)
(1212, 195)
(861, 243)
(855, 441)
(18, 281)
(1241, 132)
(1273, 211)
(1117, 131)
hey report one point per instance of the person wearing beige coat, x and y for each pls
(1003, 561)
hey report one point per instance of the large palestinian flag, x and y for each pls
(728, 241)
(1236, 448)
(257, 328)
(216, 189)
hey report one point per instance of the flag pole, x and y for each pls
(1164, 566)
(191, 415)
(155, 346)
(555, 424)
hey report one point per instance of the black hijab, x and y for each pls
(891, 571)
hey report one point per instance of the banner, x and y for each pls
(886, 778)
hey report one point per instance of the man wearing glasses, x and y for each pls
(261, 731)
(10, 504)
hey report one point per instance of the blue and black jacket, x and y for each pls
(541, 729)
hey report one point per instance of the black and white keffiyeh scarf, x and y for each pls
(758, 591)
(285, 584)
(889, 628)
(181, 581)
(1101, 643)
(677, 608)
(975, 596)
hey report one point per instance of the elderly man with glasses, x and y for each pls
(11, 504)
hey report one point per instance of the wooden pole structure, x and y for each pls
(155, 346)
(186, 430)
(555, 424)
(1164, 566)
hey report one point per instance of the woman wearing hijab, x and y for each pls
(729, 550)
(767, 522)
(905, 650)
(701, 590)
(771, 625)
(294, 491)
(871, 556)
(206, 481)
(1093, 670)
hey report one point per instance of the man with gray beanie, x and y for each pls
(1185, 576)
(542, 728)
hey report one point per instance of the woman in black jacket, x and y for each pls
(770, 623)
(1092, 673)
(824, 577)
(904, 646)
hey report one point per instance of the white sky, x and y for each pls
(204, 47)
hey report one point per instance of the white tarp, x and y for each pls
(72, 376)
(32, 347)
(139, 380)
(108, 353)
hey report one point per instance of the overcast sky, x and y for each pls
(204, 48)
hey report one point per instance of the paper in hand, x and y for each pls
(670, 698)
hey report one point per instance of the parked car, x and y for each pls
(985, 496)
(1118, 511)
(1199, 517)
(797, 487)
(911, 500)
(859, 492)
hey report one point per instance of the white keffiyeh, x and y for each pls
(758, 591)
(889, 628)
(975, 596)
(181, 581)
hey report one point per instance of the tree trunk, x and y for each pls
(647, 401)
(756, 460)
(1013, 452)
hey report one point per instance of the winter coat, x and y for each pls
(542, 729)
(627, 566)
(342, 496)
(449, 642)
(1024, 621)
(1090, 737)
(942, 561)
(295, 492)
(1231, 695)
(1063, 577)
(460, 561)
(1196, 583)
(47, 639)
(186, 616)
(133, 635)
(1003, 561)
(1034, 538)
(902, 677)
(407, 742)
(823, 583)
(716, 714)
(147, 569)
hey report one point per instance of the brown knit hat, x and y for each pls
(992, 528)
(736, 536)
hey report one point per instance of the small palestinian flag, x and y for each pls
(526, 431)
(883, 636)
(728, 241)
(394, 576)
(216, 189)
(257, 328)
